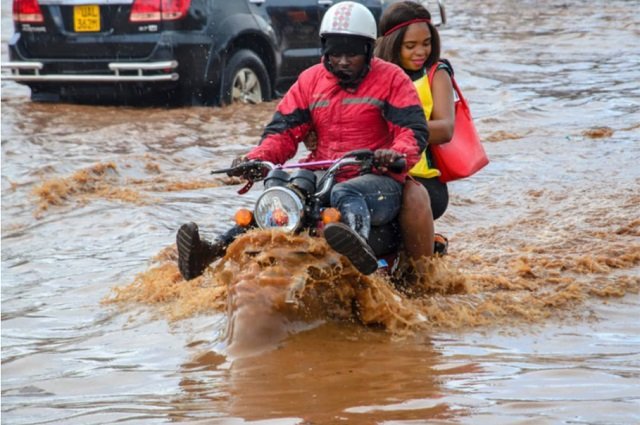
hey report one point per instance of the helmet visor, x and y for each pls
(345, 45)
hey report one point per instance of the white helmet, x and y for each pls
(349, 18)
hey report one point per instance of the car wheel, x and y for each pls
(245, 79)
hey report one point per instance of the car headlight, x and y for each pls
(279, 208)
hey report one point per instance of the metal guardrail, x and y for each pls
(33, 73)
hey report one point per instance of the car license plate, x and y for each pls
(86, 18)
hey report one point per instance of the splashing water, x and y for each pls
(273, 285)
(531, 318)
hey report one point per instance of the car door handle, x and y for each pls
(257, 1)
(325, 2)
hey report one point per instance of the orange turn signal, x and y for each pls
(330, 215)
(243, 217)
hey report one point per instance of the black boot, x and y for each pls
(440, 244)
(346, 241)
(195, 254)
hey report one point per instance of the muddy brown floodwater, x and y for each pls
(532, 318)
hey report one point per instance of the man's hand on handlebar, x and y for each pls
(389, 160)
(246, 168)
(236, 169)
(237, 162)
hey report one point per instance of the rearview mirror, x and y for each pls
(438, 13)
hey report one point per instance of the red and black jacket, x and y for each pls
(383, 112)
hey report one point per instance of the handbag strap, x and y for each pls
(432, 72)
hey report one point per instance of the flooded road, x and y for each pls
(97, 328)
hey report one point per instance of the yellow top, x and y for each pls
(423, 167)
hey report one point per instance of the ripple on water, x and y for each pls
(544, 254)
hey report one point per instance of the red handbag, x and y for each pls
(463, 155)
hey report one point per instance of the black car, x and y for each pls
(198, 52)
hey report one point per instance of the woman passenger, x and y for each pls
(410, 40)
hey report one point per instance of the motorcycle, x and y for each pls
(298, 201)
(282, 277)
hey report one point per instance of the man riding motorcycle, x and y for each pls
(352, 101)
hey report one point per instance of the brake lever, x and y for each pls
(360, 154)
(251, 170)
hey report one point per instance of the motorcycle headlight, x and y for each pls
(279, 208)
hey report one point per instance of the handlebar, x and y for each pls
(365, 155)
(255, 170)
(251, 170)
(398, 165)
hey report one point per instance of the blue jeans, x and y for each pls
(368, 200)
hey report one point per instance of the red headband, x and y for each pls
(406, 23)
